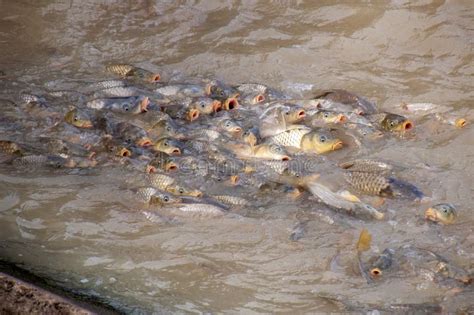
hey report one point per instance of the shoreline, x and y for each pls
(22, 292)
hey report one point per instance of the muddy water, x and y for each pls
(69, 227)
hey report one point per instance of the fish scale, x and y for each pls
(160, 181)
(290, 138)
(370, 183)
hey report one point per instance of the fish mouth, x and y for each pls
(341, 119)
(124, 152)
(432, 215)
(234, 179)
(260, 98)
(207, 89)
(144, 142)
(376, 272)
(193, 114)
(155, 78)
(460, 122)
(144, 105)
(150, 169)
(231, 103)
(301, 114)
(285, 158)
(407, 125)
(171, 166)
(236, 130)
(337, 145)
(175, 151)
(216, 106)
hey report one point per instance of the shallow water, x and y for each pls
(69, 228)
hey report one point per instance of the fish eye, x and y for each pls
(75, 118)
(126, 107)
(227, 123)
(165, 143)
(326, 115)
(287, 112)
(128, 140)
(322, 139)
(221, 93)
(202, 104)
(181, 191)
(168, 128)
(166, 198)
(392, 123)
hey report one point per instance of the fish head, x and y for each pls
(323, 142)
(293, 114)
(250, 136)
(444, 213)
(206, 106)
(78, 119)
(398, 123)
(180, 190)
(230, 103)
(143, 141)
(192, 114)
(168, 146)
(231, 126)
(163, 198)
(331, 117)
(271, 151)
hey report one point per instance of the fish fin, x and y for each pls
(365, 239)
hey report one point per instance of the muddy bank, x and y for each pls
(21, 292)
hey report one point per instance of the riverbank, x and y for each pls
(22, 292)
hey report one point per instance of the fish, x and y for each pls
(152, 196)
(392, 122)
(162, 162)
(10, 147)
(166, 128)
(409, 261)
(206, 106)
(251, 136)
(253, 98)
(53, 161)
(367, 166)
(129, 71)
(201, 209)
(160, 181)
(358, 103)
(168, 146)
(180, 190)
(444, 213)
(122, 105)
(231, 200)
(249, 88)
(78, 118)
(132, 134)
(176, 91)
(308, 140)
(458, 122)
(230, 126)
(324, 117)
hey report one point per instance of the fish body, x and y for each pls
(358, 103)
(53, 161)
(123, 105)
(129, 71)
(10, 147)
(290, 138)
(78, 118)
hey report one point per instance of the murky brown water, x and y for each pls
(68, 228)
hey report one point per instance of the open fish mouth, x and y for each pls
(460, 122)
(175, 151)
(124, 152)
(216, 106)
(144, 105)
(150, 169)
(260, 98)
(407, 125)
(171, 166)
(341, 119)
(285, 158)
(231, 103)
(376, 272)
(193, 114)
(234, 179)
(144, 142)
(155, 77)
(337, 145)
(301, 114)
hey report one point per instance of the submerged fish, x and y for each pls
(129, 71)
(444, 213)
(78, 118)
(122, 105)
(10, 147)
